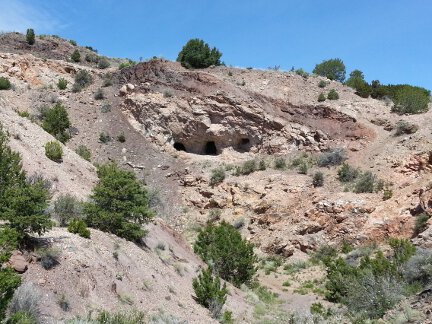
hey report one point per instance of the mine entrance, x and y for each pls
(179, 146)
(210, 148)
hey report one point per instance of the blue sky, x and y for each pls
(389, 40)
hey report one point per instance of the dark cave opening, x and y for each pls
(179, 146)
(210, 148)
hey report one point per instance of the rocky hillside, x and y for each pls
(264, 130)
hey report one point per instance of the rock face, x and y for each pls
(199, 113)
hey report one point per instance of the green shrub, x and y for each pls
(209, 292)
(66, 208)
(76, 56)
(231, 257)
(421, 223)
(5, 83)
(30, 36)
(78, 226)
(363, 90)
(333, 69)
(324, 254)
(103, 63)
(410, 100)
(321, 97)
(119, 203)
(62, 84)
(217, 176)
(365, 182)
(280, 163)
(22, 203)
(302, 73)
(24, 306)
(56, 122)
(332, 158)
(54, 151)
(303, 168)
(91, 49)
(347, 173)
(99, 94)
(82, 80)
(104, 137)
(318, 179)
(133, 317)
(126, 64)
(24, 114)
(197, 54)
(418, 269)
(49, 257)
(332, 95)
(9, 241)
(107, 80)
(404, 127)
(248, 167)
(21, 318)
(403, 250)
(121, 138)
(72, 42)
(322, 84)
(84, 152)
(9, 281)
(106, 108)
(92, 58)
(262, 165)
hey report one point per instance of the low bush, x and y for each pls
(66, 208)
(197, 54)
(321, 97)
(76, 56)
(318, 179)
(332, 158)
(82, 80)
(126, 64)
(107, 80)
(9, 241)
(404, 127)
(262, 165)
(55, 121)
(217, 176)
(49, 257)
(5, 84)
(421, 223)
(209, 292)
(121, 138)
(106, 108)
(332, 95)
(84, 152)
(302, 73)
(230, 256)
(324, 254)
(280, 163)
(103, 63)
(322, 84)
(99, 94)
(73, 42)
(365, 182)
(62, 84)
(54, 151)
(92, 58)
(133, 317)
(347, 173)
(25, 304)
(410, 100)
(78, 226)
(248, 167)
(104, 137)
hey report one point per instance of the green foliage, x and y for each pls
(78, 226)
(324, 254)
(121, 138)
(347, 173)
(5, 83)
(119, 203)
(248, 167)
(404, 127)
(49, 258)
(302, 73)
(103, 63)
(99, 94)
(403, 250)
(365, 182)
(56, 122)
(66, 208)
(318, 179)
(231, 257)
(209, 291)
(62, 84)
(197, 54)
(332, 158)
(82, 80)
(126, 64)
(9, 241)
(410, 100)
(104, 137)
(84, 152)
(30, 36)
(322, 84)
(421, 223)
(321, 97)
(54, 151)
(280, 163)
(92, 58)
(357, 82)
(21, 318)
(262, 165)
(73, 42)
(333, 69)
(332, 95)
(134, 317)
(22, 203)
(9, 281)
(24, 114)
(76, 56)
(217, 176)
